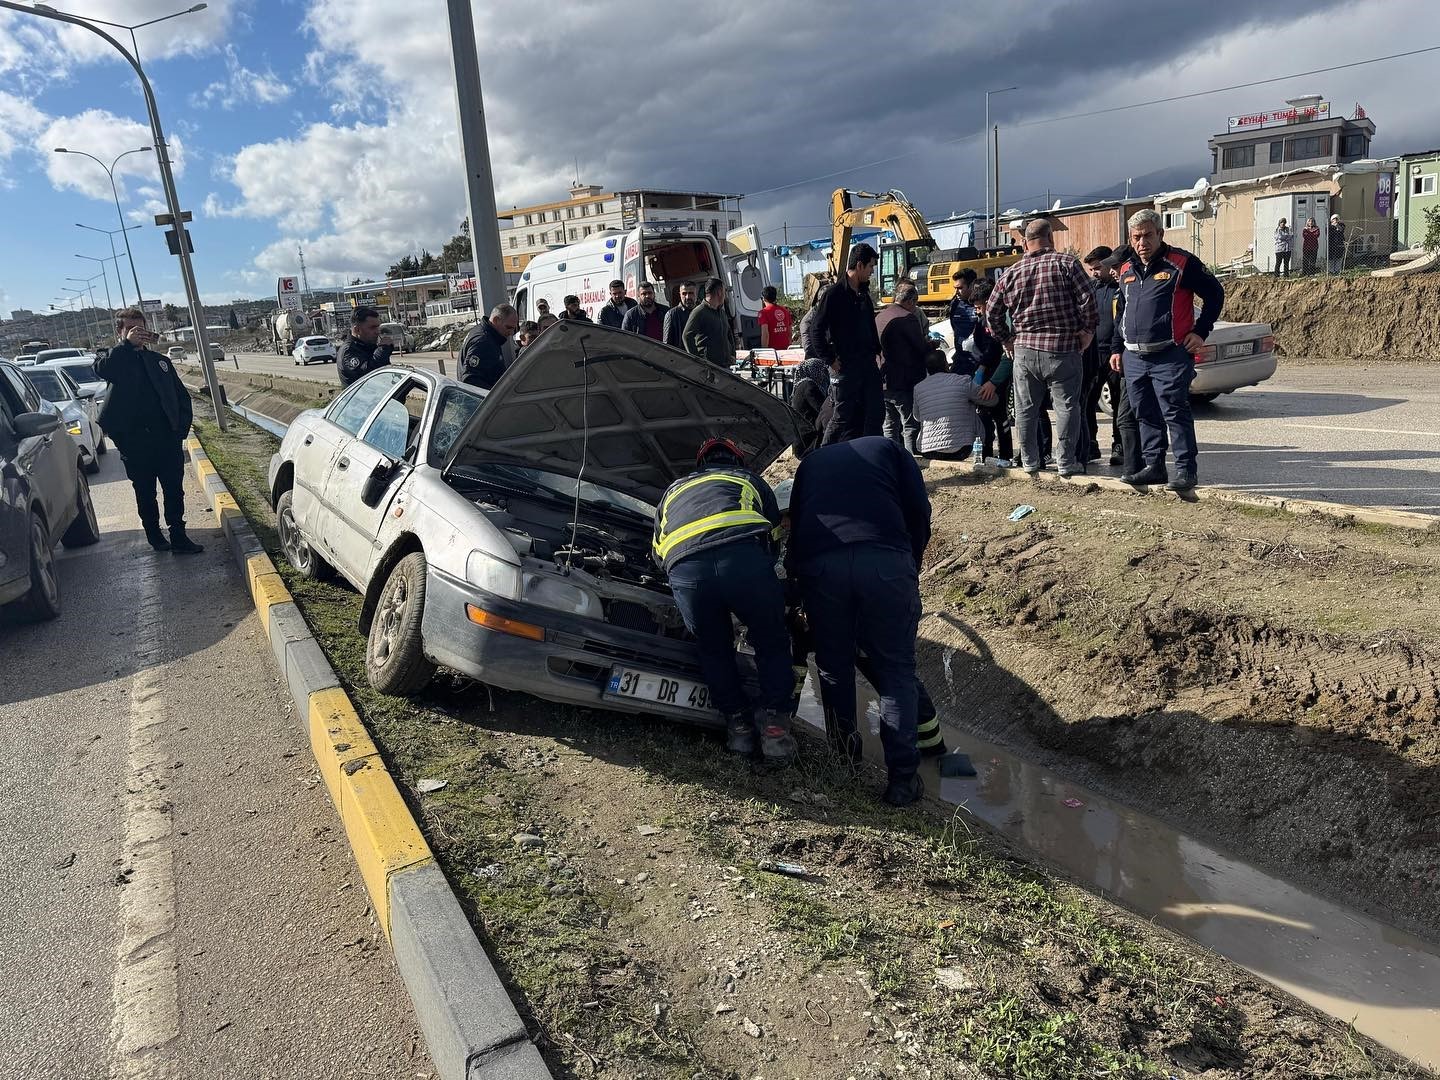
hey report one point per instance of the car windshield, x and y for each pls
(82, 373)
(50, 384)
(46, 355)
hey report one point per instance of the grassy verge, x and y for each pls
(621, 874)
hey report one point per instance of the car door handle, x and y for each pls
(343, 463)
(309, 439)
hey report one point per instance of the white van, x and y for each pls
(662, 254)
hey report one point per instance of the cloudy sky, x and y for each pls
(330, 124)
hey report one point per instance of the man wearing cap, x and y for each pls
(613, 313)
(715, 533)
(1160, 333)
(573, 311)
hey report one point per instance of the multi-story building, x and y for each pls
(525, 231)
(1304, 135)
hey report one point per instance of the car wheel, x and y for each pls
(100, 447)
(43, 600)
(85, 529)
(394, 657)
(1203, 399)
(298, 551)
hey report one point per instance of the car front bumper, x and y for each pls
(1227, 375)
(572, 665)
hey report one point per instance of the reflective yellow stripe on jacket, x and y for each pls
(746, 515)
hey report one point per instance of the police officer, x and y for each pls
(1161, 334)
(147, 416)
(861, 520)
(714, 537)
(366, 350)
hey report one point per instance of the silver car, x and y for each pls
(77, 407)
(507, 536)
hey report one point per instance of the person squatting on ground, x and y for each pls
(147, 416)
(988, 360)
(860, 523)
(844, 336)
(1043, 309)
(1161, 334)
(366, 349)
(946, 406)
(715, 533)
(905, 356)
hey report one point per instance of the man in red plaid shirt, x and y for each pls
(1043, 310)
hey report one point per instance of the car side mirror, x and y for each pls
(29, 425)
(87, 391)
(378, 481)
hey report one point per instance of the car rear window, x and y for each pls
(46, 355)
(82, 373)
(317, 341)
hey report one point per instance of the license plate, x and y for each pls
(632, 685)
(1244, 348)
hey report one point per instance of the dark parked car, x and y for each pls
(43, 495)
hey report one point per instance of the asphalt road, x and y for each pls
(1367, 435)
(178, 896)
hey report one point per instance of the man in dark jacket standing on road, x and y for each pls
(646, 318)
(860, 520)
(147, 415)
(905, 352)
(677, 316)
(366, 350)
(709, 332)
(613, 313)
(844, 336)
(482, 353)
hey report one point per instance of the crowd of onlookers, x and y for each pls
(1309, 246)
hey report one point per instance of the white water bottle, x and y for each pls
(977, 450)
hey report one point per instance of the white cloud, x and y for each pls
(19, 120)
(107, 136)
(242, 86)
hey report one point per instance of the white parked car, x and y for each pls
(77, 408)
(313, 348)
(44, 356)
(176, 352)
(82, 370)
(507, 536)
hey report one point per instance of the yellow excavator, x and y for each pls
(913, 252)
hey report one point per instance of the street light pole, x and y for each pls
(115, 191)
(109, 303)
(167, 182)
(992, 196)
(89, 285)
(114, 255)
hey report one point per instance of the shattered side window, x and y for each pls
(456, 409)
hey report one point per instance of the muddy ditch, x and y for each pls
(617, 870)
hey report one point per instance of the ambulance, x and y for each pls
(666, 254)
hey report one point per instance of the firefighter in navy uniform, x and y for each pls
(715, 533)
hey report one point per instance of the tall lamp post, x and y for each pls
(992, 195)
(109, 303)
(67, 325)
(115, 191)
(114, 255)
(167, 178)
(90, 287)
(77, 297)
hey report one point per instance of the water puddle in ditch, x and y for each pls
(1383, 980)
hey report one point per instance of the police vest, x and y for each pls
(712, 508)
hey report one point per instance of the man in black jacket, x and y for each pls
(147, 415)
(366, 350)
(844, 334)
(646, 318)
(482, 353)
(1097, 356)
(676, 316)
(613, 313)
(905, 352)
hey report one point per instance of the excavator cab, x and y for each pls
(905, 258)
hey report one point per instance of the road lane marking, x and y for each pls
(1363, 430)
(145, 997)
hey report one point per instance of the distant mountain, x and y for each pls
(1174, 178)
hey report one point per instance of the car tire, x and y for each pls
(100, 447)
(85, 529)
(298, 552)
(1202, 399)
(42, 602)
(395, 660)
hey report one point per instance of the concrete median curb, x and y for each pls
(471, 1027)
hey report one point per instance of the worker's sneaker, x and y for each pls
(1147, 477)
(156, 538)
(181, 544)
(740, 734)
(1184, 481)
(903, 792)
(777, 745)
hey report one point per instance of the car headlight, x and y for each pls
(493, 575)
(74, 429)
(551, 592)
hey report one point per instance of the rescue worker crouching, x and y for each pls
(714, 537)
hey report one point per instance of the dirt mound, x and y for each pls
(1343, 318)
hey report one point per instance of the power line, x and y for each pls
(1099, 112)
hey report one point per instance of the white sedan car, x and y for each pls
(313, 348)
(507, 536)
(77, 408)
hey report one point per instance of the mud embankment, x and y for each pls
(1327, 318)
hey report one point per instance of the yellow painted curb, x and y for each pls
(223, 502)
(204, 468)
(255, 566)
(269, 590)
(193, 443)
(382, 834)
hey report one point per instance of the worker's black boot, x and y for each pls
(181, 544)
(156, 538)
(740, 734)
(777, 745)
(905, 790)
(1148, 476)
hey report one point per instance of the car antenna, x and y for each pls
(584, 451)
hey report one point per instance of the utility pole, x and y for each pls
(992, 172)
(995, 191)
(475, 146)
(304, 279)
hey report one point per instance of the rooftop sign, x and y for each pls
(1319, 111)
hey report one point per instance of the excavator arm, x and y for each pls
(890, 210)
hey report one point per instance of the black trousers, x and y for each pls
(859, 403)
(1125, 428)
(152, 459)
(1282, 264)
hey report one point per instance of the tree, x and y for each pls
(427, 262)
(407, 266)
(234, 322)
(455, 251)
(174, 315)
(1432, 227)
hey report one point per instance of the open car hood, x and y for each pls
(647, 408)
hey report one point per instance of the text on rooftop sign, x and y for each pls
(1318, 111)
